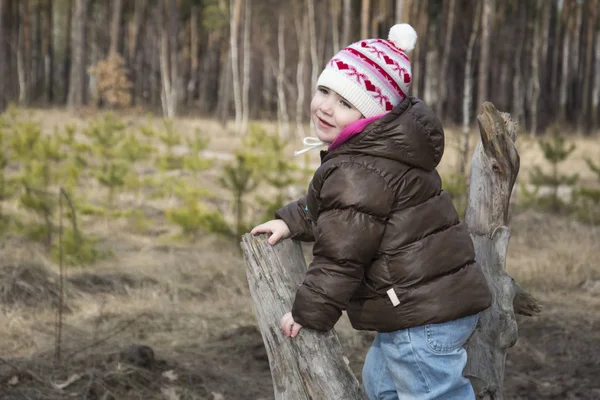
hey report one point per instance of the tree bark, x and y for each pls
(282, 114)
(399, 12)
(246, 71)
(312, 365)
(335, 30)
(135, 57)
(68, 50)
(234, 23)
(48, 53)
(169, 63)
(535, 67)
(566, 53)
(76, 95)
(487, 16)
(194, 53)
(24, 52)
(584, 118)
(115, 26)
(596, 91)
(365, 12)
(443, 72)
(347, 20)
(314, 57)
(3, 64)
(301, 29)
(494, 170)
(468, 93)
(518, 92)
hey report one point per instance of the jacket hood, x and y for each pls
(411, 133)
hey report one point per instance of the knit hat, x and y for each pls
(373, 74)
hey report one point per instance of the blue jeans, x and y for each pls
(421, 363)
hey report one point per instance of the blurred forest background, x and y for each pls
(139, 139)
(256, 59)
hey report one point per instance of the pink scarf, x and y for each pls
(351, 130)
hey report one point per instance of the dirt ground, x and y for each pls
(164, 319)
(176, 322)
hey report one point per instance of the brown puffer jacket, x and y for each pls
(381, 221)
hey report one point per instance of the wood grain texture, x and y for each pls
(494, 169)
(311, 365)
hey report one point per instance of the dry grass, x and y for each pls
(181, 298)
(551, 252)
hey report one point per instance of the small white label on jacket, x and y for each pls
(392, 295)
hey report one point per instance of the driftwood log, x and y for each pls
(311, 365)
(494, 169)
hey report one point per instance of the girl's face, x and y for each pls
(331, 113)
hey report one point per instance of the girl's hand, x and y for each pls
(276, 227)
(288, 326)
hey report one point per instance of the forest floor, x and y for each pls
(163, 322)
(174, 320)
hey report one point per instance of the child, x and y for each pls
(389, 247)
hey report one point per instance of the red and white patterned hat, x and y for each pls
(374, 75)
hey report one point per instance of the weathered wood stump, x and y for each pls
(311, 365)
(494, 169)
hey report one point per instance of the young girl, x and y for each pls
(389, 247)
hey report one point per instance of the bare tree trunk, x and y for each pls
(234, 23)
(347, 21)
(48, 49)
(566, 54)
(365, 12)
(76, 95)
(420, 53)
(443, 72)
(268, 81)
(487, 16)
(335, 29)
(36, 69)
(313, 44)
(115, 26)
(24, 52)
(135, 57)
(494, 170)
(584, 117)
(377, 18)
(468, 92)
(169, 63)
(518, 91)
(301, 29)
(596, 91)
(535, 68)
(194, 50)
(224, 91)
(576, 56)
(246, 72)
(312, 365)
(282, 114)
(66, 65)
(3, 66)
(399, 13)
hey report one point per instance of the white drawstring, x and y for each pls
(310, 143)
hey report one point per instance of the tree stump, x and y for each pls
(311, 365)
(494, 169)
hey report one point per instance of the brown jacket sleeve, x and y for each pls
(355, 202)
(296, 216)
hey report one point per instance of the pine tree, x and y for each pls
(266, 153)
(555, 151)
(588, 198)
(240, 178)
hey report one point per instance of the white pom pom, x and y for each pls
(403, 36)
